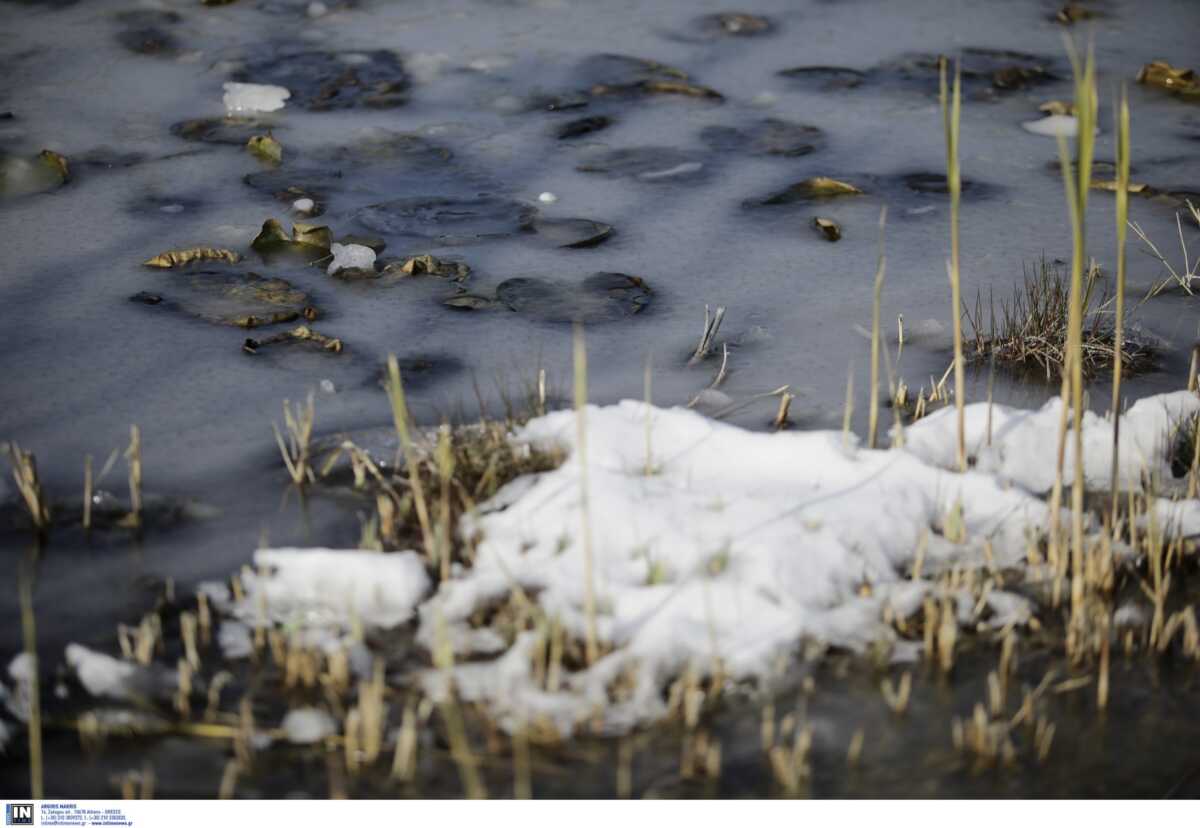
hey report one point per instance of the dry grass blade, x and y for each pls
(296, 450)
(25, 474)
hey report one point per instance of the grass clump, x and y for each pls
(1031, 331)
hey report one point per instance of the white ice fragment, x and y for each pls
(328, 589)
(20, 669)
(304, 205)
(317, 9)
(427, 66)
(350, 255)
(234, 639)
(327, 386)
(172, 208)
(547, 198)
(243, 98)
(1053, 126)
(101, 675)
(308, 725)
(764, 99)
(686, 168)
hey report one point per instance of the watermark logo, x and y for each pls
(18, 813)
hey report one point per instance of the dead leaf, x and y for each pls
(1073, 13)
(58, 162)
(828, 228)
(272, 235)
(189, 255)
(1165, 76)
(1111, 185)
(468, 301)
(266, 148)
(1057, 108)
(302, 333)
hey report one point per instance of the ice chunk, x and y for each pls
(245, 98)
(102, 675)
(350, 255)
(307, 725)
(333, 589)
(1054, 126)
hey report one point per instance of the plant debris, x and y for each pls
(828, 228)
(191, 255)
(1031, 330)
(1178, 81)
(301, 334)
(811, 189)
(266, 148)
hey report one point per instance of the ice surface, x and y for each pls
(1053, 125)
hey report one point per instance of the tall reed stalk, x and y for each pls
(873, 416)
(29, 636)
(395, 391)
(589, 588)
(1077, 181)
(951, 117)
(1118, 335)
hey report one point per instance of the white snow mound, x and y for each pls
(248, 98)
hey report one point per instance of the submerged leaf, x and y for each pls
(467, 301)
(189, 255)
(57, 162)
(827, 228)
(1165, 76)
(302, 333)
(266, 148)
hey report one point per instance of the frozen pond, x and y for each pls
(623, 161)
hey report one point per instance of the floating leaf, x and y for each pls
(812, 188)
(272, 233)
(467, 301)
(1058, 108)
(20, 176)
(305, 238)
(57, 162)
(828, 228)
(1112, 186)
(190, 255)
(266, 148)
(1072, 13)
(1165, 76)
(244, 300)
(314, 235)
(302, 333)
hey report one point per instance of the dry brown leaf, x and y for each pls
(179, 258)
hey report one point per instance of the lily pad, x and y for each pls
(447, 220)
(734, 24)
(469, 302)
(569, 232)
(623, 75)
(243, 300)
(287, 184)
(322, 81)
(770, 136)
(583, 126)
(810, 189)
(985, 72)
(601, 297)
(235, 131)
(44, 172)
(653, 164)
(825, 78)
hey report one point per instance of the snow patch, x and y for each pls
(350, 255)
(248, 98)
